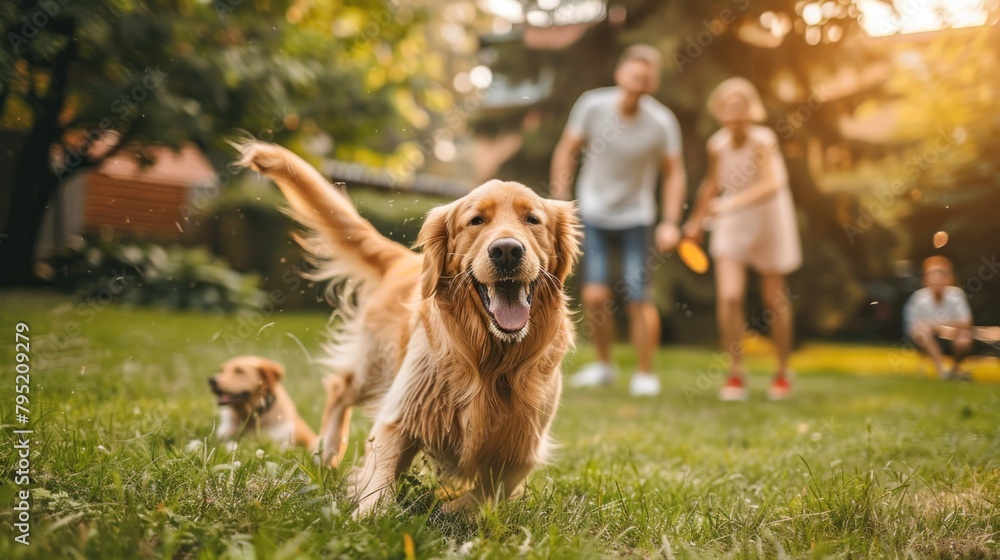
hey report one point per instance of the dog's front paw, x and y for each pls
(369, 495)
(325, 455)
(370, 499)
(466, 503)
(369, 504)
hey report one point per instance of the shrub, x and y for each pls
(148, 274)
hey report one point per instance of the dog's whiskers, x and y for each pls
(461, 277)
(551, 278)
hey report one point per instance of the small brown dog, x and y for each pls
(252, 399)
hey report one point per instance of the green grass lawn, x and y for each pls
(854, 467)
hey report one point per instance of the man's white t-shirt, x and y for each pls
(621, 157)
(922, 307)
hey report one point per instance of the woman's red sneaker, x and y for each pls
(735, 389)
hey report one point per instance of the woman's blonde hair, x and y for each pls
(743, 87)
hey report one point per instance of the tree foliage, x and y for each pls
(956, 170)
(84, 78)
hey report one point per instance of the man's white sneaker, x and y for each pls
(644, 385)
(593, 375)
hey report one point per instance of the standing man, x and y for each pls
(627, 138)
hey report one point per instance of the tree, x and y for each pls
(953, 167)
(85, 79)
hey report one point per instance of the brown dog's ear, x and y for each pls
(271, 372)
(567, 238)
(433, 243)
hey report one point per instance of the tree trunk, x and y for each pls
(34, 186)
(34, 183)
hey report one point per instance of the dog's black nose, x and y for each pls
(212, 382)
(506, 254)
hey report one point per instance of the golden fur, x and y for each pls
(252, 399)
(454, 351)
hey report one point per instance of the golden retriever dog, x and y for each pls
(252, 400)
(454, 351)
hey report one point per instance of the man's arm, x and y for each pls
(563, 169)
(674, 191)
(674, 188)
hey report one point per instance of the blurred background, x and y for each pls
(115, 184)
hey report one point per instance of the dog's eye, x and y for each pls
(239, 371)
(477, 221)
(532, 219)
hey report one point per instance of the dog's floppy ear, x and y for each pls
(270, 371)
(567, 238)
(433, 243)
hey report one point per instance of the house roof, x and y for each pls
(185, 167)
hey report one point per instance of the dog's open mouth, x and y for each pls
(508, 304)
(223, 398)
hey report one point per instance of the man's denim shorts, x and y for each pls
(633, 246)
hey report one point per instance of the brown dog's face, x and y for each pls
(245, 379)
(502, 239)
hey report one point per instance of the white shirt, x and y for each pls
(922, 307)
(621, 157)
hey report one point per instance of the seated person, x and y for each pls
(940, 306)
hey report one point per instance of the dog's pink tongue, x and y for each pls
(507, 307)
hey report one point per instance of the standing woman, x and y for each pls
(746, 199)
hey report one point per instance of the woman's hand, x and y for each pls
(667, 236)
(715, 207)
(693, 229)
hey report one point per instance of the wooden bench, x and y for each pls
(989, 336)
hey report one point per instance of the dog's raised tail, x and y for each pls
(343, 245)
